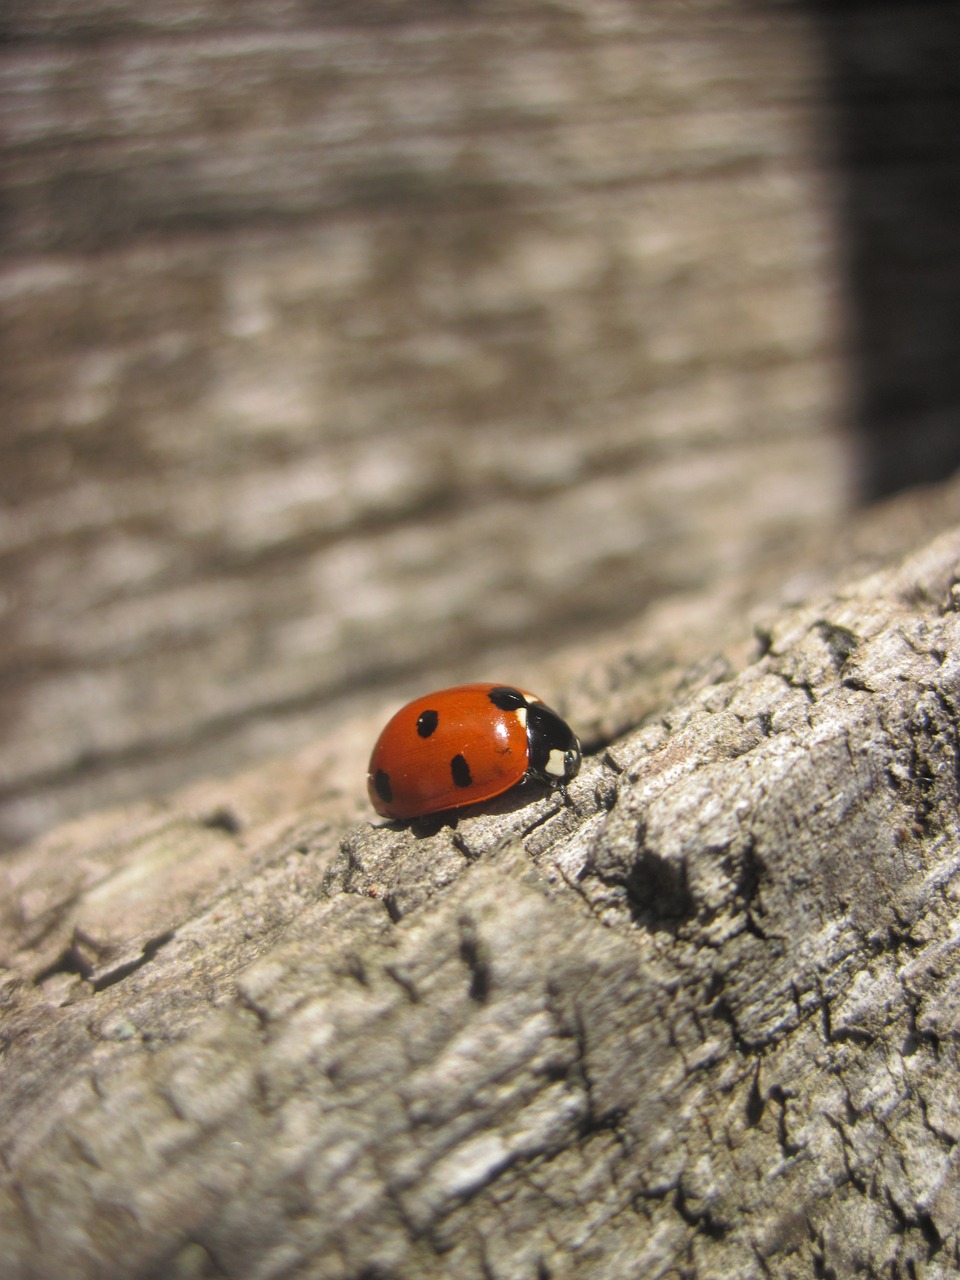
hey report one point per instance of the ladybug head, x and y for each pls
(553, 748)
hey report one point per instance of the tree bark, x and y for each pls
(701, 1020)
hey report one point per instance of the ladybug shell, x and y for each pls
(466, 744)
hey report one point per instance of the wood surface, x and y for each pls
(346, 348)
(349, 350)
(700, 1021)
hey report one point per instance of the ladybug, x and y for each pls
(465, 744)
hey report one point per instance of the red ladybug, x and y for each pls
(465, 744)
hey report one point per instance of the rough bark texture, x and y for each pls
(699, 1022)
(348, 342)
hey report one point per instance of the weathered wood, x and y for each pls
(326, 325)
(700, 1021)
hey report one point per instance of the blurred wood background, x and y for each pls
(352, 348)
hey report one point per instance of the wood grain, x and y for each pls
(701, 1021)
(347, 346)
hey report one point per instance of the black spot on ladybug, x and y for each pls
(507, 699)
(460, 771)
(426, 723)
(381, 784)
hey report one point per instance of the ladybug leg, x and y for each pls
(565, 795)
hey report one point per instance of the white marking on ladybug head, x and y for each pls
(521, 714)
(556, 764)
